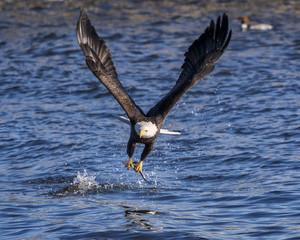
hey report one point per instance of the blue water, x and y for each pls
(233, 173)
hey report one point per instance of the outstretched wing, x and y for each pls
(199, 62)
(99, 60)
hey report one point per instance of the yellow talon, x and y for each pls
(139, 167)
(129, 164)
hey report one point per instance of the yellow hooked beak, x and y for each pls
(142, 132)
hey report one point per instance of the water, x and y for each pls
(233, 173)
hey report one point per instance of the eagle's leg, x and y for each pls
(146, 151)
(130, 151)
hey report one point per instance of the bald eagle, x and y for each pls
(145, 128)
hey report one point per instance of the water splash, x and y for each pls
(82, 185)
(85, 182)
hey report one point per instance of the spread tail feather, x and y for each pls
(125, 120)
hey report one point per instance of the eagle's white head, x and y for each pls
(145, 129)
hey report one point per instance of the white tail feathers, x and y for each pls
(125, 120)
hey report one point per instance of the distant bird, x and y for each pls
(145, 128)
(245, 24)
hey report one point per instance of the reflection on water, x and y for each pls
(136, 218)
(233, 173)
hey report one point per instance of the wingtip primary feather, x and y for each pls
(208, 48)
(94, 47)
(82, 24)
